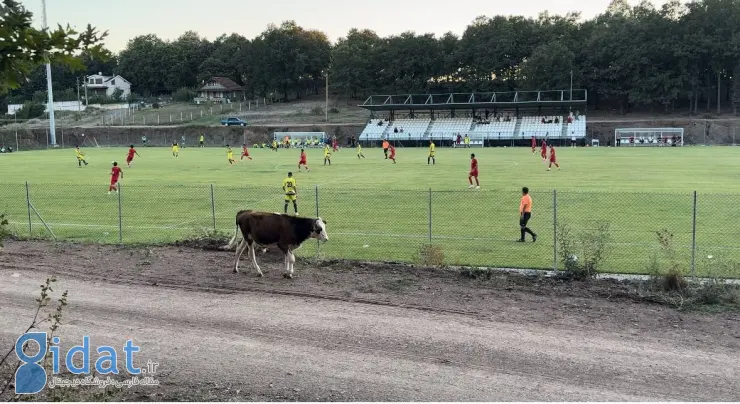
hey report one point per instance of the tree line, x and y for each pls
(675, 56)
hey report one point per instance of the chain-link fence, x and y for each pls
(462, 228)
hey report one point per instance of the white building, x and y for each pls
(99, 85)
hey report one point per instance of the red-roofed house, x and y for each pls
(219, 89)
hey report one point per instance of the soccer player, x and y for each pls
(302, 161)
(543, 150)
(327, 154)
(245, 152)
(385, 148)
(467, 141)
(175, 149)
(335, 144)
(202, 138)
(525, 212)
(115, 173)
(130, 156)
(393, 153)
(359, 151)
(274, 145)
(80, 157)
(431, 153)
(229, 154)
(534, 145)
(473, 172)
(291, 192)
(553, 159)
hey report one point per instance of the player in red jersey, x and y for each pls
(553, 159)
(393, 153)
(115, 173)
(543, 150)
(335, 144)
(130, 156)
(534, 145)
(245, 152)
(473, 172)
(302, 161)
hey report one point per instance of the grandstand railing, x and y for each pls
(468, 228)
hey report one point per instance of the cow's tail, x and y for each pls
(234, 240)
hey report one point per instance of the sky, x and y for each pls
(170, 18)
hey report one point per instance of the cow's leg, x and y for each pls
(291, 261)
(239, 250)
(286, 255)
(252, 250)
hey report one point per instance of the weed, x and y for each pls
(431, 255)
(582, 255)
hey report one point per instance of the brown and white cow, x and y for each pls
(265, 229)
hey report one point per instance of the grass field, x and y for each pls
(380, 211)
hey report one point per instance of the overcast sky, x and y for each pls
(170, 18)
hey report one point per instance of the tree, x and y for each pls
(353, 65)
(23, 48)
(146, 62)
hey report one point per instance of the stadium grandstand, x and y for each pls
(488, 119)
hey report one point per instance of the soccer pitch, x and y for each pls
(377, 210)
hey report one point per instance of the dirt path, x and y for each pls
(371, 332)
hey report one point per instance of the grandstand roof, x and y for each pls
(474, 100)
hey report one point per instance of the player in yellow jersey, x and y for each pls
(274, 145)
(359, 151)
(467, 141)
(80, 157)
(229, 154)
(431, 153)
(291, 193)
(327, 154)
(175, 149)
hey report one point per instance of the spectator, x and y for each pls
(543, 120)
(557, 119)
(395, 129)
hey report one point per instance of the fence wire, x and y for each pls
(459, 228)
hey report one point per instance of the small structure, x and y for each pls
(219, 89)
(98, 85)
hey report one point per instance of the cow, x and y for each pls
(265, 229)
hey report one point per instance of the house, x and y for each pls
(98, 85)
(219, 89)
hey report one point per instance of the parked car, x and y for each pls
(233, 121)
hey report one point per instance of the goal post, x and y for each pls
(648, 137)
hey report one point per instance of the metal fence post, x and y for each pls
(693, 239)
(430, 216)
(28, 205)
(555, 229)
(318, 245)
(213, 208)
(120, 216)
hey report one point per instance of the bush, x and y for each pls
(318, 111)
(183, 95)
(30, 110)
(4, 231)
(333, 110)
(582, 255)
(672, 278)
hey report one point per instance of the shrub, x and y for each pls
(333, 110)
(183, 95)
(431, 255)
(30, 110)
(582, 255)
(4, 231)
(318, 111)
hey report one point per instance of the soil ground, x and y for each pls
(341, 331)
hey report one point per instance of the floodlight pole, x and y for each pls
(570, 106)
(52, 132)
(326, 101)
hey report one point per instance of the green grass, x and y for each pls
(380, 211)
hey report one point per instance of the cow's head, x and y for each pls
(319, 230)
